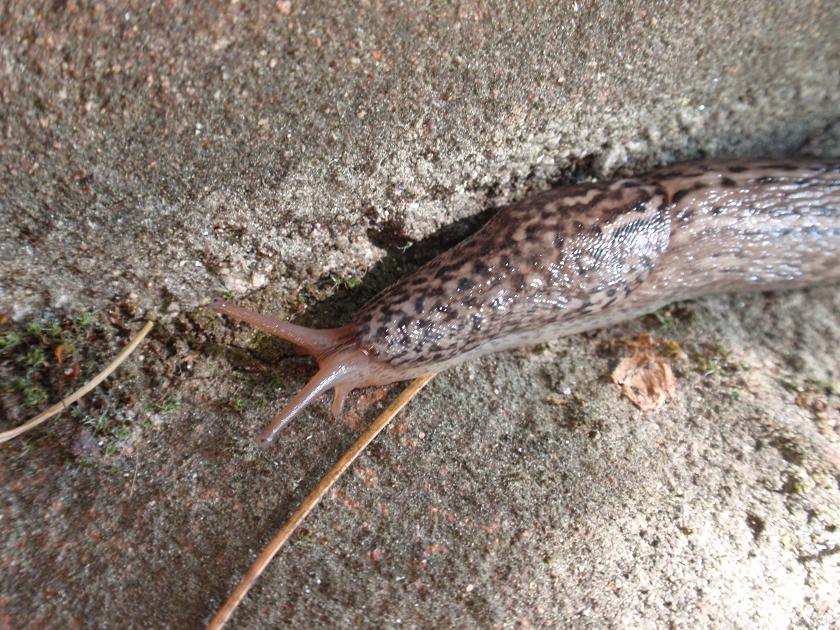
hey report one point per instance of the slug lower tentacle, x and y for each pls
(582, 257)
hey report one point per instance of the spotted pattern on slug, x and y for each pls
(584, 256)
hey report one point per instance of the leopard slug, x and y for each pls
(581, 257)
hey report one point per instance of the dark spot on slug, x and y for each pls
(680, 194)
(685, 191)
(480, 267)
(404, 322)
(533, 231)
(447, 270)
(465, 284)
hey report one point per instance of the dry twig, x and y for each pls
(57, 408)
(313, 499)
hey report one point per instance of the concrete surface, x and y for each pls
(155, 155)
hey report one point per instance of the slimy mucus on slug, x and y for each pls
(577, 258)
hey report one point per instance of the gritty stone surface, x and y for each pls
(154, 155)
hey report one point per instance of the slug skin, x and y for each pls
(582, 257)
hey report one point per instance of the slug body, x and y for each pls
(582, 257)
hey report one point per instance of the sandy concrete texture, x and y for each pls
(298, 157)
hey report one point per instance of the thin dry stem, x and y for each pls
(313, 499)
(57, 408)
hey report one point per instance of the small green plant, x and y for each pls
(100, 425)
(85, 319)
(714, 358)
(790, 385)
(673, 350)
(666, 320)
(350, 282)
(706, 363)
(722, 351)
(34, 358)
(170, 405)
(9, 339)
(121, 433)
(671, 316)
(829, 388)
(34, 329)
(34, 393)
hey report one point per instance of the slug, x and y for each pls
(581, 257)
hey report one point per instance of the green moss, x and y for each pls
(34, 358)
(9, 339)
(33, 329)
(672, 316)
(827, 387)
(33, 393)
(714, 358)
(350, 282)
(793, 485)
(706, 363)
(170, 405)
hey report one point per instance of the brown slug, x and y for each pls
(582, 257)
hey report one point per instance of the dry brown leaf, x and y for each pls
(645, 377)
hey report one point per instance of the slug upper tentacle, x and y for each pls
(343, 365)
(582, 257)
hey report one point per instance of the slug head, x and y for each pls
(343, 365)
